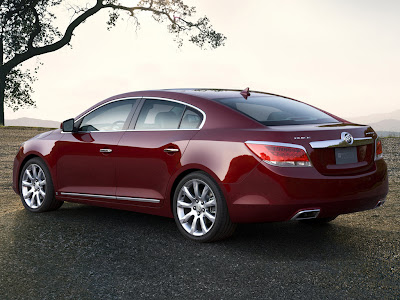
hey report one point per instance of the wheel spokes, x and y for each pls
(26, 183)
(186, 217)
(188, 194)
(38, 201)
(196, 189)
(196, 207)
(40, 175)
(209, 216)
(210, 203)
(184, 204)
(204, 193)
(33, 186)
(203, 225)
(28, 173)
(34, 172)
(194, 224)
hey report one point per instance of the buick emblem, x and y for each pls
(347, 137)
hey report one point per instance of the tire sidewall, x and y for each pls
(222, 209)
(49, 186)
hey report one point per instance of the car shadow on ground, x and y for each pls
(104, 226)
(86, 252)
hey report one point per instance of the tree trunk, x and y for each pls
(2, 94)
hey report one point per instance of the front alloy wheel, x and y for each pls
(36, 187)
(200, 210)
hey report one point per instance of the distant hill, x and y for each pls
(387, 122)
(386, 125)
(30, 122)
(388, 134)
(375, 118)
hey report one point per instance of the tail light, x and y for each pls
(378, 149)
(280, 154)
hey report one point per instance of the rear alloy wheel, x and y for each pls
(36, 187)
(200, 209)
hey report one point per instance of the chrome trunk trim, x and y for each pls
(341, 143)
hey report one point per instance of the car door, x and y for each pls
(150, 152)
(86, 164)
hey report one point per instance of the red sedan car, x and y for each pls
(208, 158)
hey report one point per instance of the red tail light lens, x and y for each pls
(378, 150)
(277, 155)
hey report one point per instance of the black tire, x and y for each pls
(49, 202)
(222, 226)
(318, 221)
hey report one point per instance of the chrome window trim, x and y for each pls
(283, 145)
(138, 130)
(111, 197)
(112, 101)
(341, 143)
(97, 107)
(176, 101)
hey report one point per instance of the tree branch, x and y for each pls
(37, 30)
(35, 51)
(17, 10)
(132, 9)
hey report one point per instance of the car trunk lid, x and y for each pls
(327, 147)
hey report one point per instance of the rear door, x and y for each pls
(86, 163)
(150, 152)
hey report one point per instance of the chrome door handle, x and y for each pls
(171, 150)
(105, 150)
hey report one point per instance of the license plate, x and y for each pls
(346, 155)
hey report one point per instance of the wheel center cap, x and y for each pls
(198, 208)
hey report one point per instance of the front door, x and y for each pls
(86, 163)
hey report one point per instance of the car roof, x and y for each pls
(199, 98)
(210, 94)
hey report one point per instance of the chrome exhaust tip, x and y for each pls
(380, 203)
(306, 214)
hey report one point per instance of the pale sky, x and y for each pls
(342, 56)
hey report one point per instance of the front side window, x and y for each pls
(110, 117)
(159, 114)
(275, 110)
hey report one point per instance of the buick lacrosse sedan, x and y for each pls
(207, 158)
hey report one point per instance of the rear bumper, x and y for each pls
(272, 193)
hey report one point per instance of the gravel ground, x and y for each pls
(83, 252)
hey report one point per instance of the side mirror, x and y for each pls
(68, 125)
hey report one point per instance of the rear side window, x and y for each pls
(110, 117)
(191, 119)
(275, 110)
(160, 114)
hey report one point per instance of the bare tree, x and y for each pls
(27, 30)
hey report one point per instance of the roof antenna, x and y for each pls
(245, 93)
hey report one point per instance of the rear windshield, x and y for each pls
(275, 110)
